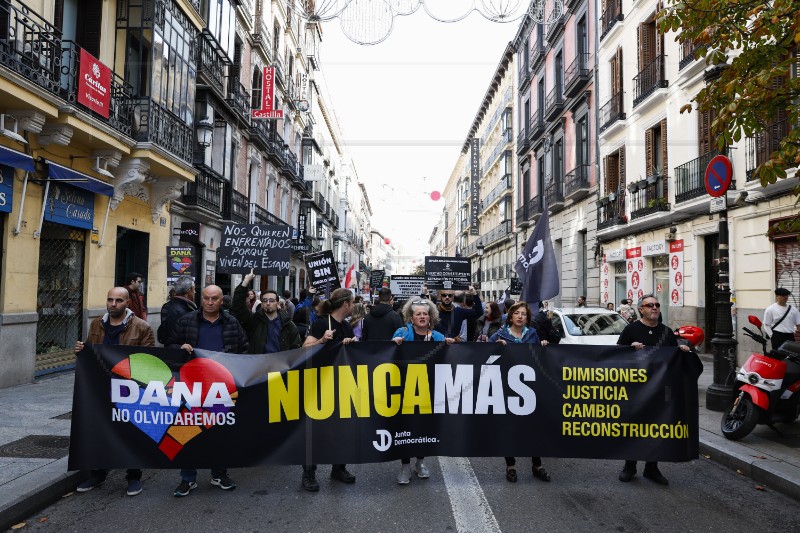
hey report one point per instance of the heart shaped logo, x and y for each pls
(173, 411)
(183, 265)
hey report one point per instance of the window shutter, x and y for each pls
(619, 76)
(607, 176)
(664, 161)
(648, 152)
(643, 45)
(88, 24)
(621, 165)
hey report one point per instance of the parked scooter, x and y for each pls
(769, 388)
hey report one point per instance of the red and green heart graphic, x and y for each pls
(156, 420)
(181, 264)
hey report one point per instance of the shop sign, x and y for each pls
(69, 206)
(676, 273)
(616, 255)
(94, 84)
(268, 96)
(654, 248)
(6, 188)
(180, 262)
(190, 232)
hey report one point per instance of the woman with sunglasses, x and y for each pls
(518, 329)
(420, 316)
(647, 331)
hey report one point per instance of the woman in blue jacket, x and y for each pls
(518, 329)
(420, 316)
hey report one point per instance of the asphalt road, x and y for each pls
(462, 496)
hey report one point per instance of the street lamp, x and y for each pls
(205, 132)
(480, 248)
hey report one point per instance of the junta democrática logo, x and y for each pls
(172, 411)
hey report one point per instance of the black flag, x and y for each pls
(536, 266)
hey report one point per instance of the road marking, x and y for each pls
(470, 507)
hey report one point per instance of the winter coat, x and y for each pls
(530, 336)
(494, 325)
(257, 324)
(407, 333)
(170, 313)
(137, 332)
(187, 331)
(380, 323)
(450, 321)
(544, 328)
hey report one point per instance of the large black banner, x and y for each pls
(375, 401)
(452, 273)
(266, 249)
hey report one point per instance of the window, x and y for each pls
(582, 141)
(655, 148)
(558, 161)
(614, 171)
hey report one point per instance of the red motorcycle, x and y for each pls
(769, 388)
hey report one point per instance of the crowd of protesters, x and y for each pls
(269, 322)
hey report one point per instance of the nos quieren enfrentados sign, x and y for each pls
(264, 248)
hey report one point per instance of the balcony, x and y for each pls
(576, 183)
(522, 141)
(688, 50)
(556, 25)
(537, 53)
(690, 178)
(500, 190)
(238, 99)
(649, 79)
(152, 123)
(554, 193)
(30, 45)
(259, 215)
(554, 102)
(498, 233)
(612, 111)
(261, 36)
(279, 71)
(120, 116)
(522, 216)
(235, 206)
(650, 199)
(611, 210)
(211, 61)
(534, 208)
(535, 126)
(759, 147)
(577, 74)
(259, 133)
(277, 149)
(320, 200)
(524, 75)
(206, 191)
(610, 17)
(292, 168)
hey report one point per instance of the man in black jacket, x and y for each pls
(451, 316)
(268, 329)
(208, 328)
(182, 302)
(381, 323)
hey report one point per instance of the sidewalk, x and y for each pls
(33, 473)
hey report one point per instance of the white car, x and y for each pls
(587, 325)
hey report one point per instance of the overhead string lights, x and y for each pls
(369, 22)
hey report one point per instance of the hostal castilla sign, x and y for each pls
(264, 248)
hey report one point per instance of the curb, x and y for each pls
(39, 493)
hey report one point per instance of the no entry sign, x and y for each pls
(719, 174)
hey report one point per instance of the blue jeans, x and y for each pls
(190, 474)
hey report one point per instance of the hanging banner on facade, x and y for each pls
(138, 407)
(69, 206)
(267, 97)
(636, 274)
(404, 287)
(447, 272)
(180, 262)
(6, 188)
(676, 273)
(474, 186)
(94, 84)
(265, 248)
(301, 226)
(322, 271)
(605, 282)
(376, 279)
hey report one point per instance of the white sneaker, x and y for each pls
(404, 477)
(422, 470)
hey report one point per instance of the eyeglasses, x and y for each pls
(420, 302)
(269, 300)
(446, 295)
(651, 305)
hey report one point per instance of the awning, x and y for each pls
(88, 183)
(15, 159)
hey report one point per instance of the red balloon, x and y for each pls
(386, 241)
(435, 196)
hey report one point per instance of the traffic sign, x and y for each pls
(719, 174)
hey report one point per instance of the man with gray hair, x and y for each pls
(180, 304)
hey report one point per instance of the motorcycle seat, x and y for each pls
(790, 348)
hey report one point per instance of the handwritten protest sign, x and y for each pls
(265, 248)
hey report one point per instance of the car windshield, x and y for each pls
(594, 324)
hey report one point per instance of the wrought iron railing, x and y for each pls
(209, 63)
(503, 187)
(651, 199)
(554, 102)
(537, 52)
(554, 192)
(30, 45)
(238, 98)
(235, 205)
(522, 140)
(278, 62)
(611, 212)
(576, 181)
(577, 73)
(610, 17)
(259, 132)
(649, 79)
(612, 111)
(153, 123)
(497, 233)
(205, 191)
(524, 74)
(555, 25)
(259, 215)
(536, 125)
(690, 178)
(534, 207)
(759, 148)
(688, 54)
(120, 109)
(278, 147)
(522, 213)
(261, 35)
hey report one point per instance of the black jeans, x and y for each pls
(779, 338)
(537, 461)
